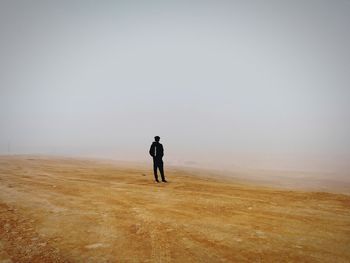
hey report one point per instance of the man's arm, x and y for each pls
(162, 150)
(151, 150)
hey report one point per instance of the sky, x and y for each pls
(218, 81)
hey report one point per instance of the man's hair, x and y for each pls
(157, 138)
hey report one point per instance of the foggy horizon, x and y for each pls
(224, 84)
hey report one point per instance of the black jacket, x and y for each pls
(156, 150)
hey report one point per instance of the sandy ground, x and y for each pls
(74, 210)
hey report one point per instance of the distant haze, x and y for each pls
(223, 83)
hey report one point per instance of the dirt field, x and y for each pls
(73, 210)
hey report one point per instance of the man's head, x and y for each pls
(157, 138)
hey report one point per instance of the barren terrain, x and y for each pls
(75, 210)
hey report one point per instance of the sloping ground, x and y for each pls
(66, 210)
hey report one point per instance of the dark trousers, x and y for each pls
(158, 164)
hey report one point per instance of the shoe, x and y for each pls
(157, 181)
(164, 181)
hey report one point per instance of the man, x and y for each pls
(157, 152)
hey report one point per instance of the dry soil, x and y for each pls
(75, 210)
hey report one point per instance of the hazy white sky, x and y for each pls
(214, 79)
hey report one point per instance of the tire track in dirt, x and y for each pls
(160, 245)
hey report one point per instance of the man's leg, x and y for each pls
(161, 169)
(155, 169)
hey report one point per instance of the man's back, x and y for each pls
(156, 150)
